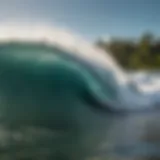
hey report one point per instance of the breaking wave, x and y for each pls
(62, 96)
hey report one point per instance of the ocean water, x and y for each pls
(54, 105)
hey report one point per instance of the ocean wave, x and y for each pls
(51, 81)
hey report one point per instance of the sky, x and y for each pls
(93, 19)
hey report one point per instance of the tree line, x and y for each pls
(142, 53)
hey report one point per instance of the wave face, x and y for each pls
(50, 103)
(67, 100)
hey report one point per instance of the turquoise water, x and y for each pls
(48, 104)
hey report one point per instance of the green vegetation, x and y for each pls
(143, 53)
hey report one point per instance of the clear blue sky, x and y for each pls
(91, 18)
